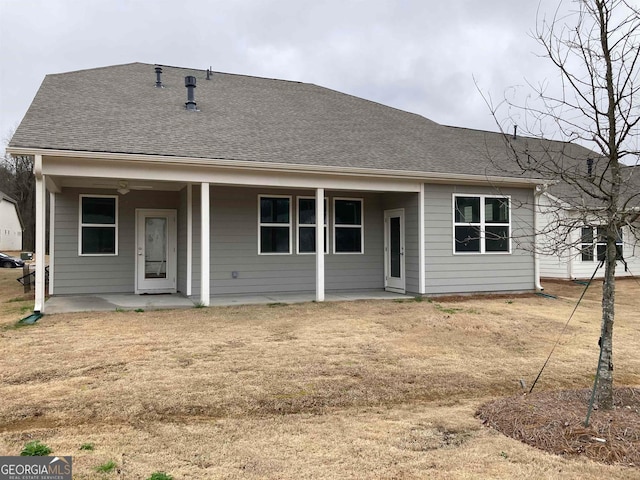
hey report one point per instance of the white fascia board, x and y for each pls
(430, 177)
(170, 172)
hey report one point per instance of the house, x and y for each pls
(10, 224)
(562, 215)
(165, 179)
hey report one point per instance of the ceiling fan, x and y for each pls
(123, 187)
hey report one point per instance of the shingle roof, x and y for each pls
(118, 109)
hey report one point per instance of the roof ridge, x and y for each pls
(96, 68)
(520, 136)
(204, 70)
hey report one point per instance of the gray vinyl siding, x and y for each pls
(234, 247)
(470, 273)
(75, 274)
(409, 202)
(358, 271)
(182, 243)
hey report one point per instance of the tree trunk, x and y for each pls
(604, 395)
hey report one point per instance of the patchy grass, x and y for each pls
(35, 449)
(368, 389)
(160, 476)
(107, 467)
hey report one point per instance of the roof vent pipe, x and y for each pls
(159, 77)
(190, 83)
(515, 132)
(209, 73)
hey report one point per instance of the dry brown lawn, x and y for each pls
(368, 389)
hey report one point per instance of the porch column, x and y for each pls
(319, 244)
(189, 239)
(41, 192)
(421, 254)
(204, 245)
(52, 235)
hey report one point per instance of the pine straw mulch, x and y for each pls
(554, 421)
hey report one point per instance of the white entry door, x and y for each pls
(394, 265)
(156, 244)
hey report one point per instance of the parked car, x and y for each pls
(10, 262)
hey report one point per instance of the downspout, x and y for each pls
(539, 190)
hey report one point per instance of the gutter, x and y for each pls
(434, 177)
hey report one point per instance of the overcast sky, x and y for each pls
(417, 55)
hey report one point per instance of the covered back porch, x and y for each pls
(226, 249)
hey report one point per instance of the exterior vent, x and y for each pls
(190, 83)
(159, 77)
(209, 73)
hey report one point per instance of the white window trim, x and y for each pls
(311, 225)
(80, 225)
(361, 226)
(482, 224)
(595, 243)
(288, 225)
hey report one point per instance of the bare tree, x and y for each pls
(596, 50)
(17, 181)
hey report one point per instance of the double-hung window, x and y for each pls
(593, 244)
(348, 229)
(307, 225)
(274, 224)
(482, 224)
(98, 225)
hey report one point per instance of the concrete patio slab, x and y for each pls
(122, 301)
(130, 301)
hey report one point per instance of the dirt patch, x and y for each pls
(554, 422)
(422, 438)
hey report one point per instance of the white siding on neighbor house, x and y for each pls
(554, 262)
(566, 261)
(234, 247)
(630, 252)
(75, 274)
(409, 202)
(447, 272)
(10, 227)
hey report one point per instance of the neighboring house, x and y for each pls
(573, 245)
(10, 224)
(157, 188)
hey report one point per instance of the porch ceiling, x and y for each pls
(115, 183)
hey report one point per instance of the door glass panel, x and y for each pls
(155, 247)
(394, 242)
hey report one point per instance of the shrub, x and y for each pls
(35, 449)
